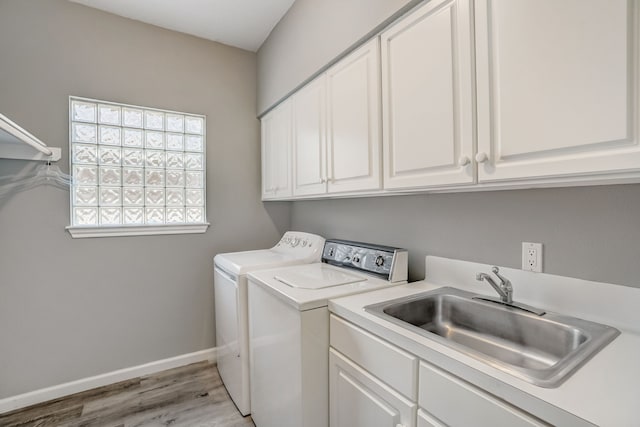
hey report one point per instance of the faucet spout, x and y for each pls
(504, 289)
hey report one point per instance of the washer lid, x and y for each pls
(243, 262)
(295, 247)
(309, 293)
(316, 276)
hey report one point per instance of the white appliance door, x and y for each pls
(229, 337)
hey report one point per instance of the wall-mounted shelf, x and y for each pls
(17, 143)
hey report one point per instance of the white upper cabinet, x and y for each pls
(557, 88)
(276, 153)
(470, 95)
(427, 97)
(309, 143)
(336, 127)
(353, 128)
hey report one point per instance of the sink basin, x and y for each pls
(543, 350)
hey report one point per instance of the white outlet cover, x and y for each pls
(532, 257)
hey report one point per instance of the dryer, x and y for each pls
(230, 287)
(289, 327)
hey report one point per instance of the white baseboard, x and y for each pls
(38, 396)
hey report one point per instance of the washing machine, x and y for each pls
(289, 327)
(230, 286)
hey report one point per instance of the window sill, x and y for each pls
(135, 230)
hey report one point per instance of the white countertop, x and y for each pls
(604, 392)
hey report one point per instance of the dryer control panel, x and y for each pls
(384, 261)
(300, 244)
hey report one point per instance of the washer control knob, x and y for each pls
(295, 242)
(379, 260)
(304, 243)
(356, 259)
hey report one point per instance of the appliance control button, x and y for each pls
(304, 243)
(356, 259)
(379, 260)
(295, 242)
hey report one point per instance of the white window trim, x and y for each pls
(136, 230)
(81, 232)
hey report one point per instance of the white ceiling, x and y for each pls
(241, 23)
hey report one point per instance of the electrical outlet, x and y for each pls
(532, 257)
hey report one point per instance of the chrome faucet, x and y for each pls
(504, 289)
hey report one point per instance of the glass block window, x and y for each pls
(135, 166)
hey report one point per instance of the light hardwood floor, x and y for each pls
(189, 396)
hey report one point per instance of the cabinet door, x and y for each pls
(427, 92)
(276, 153)
(309, 148)
(357, 399)
(353, 128)
(375, 355)
(442, 395)
(426, 420)
(557, 88)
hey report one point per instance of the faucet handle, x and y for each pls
(504, 289)
(504, 281)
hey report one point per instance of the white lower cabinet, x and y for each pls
(375, 355)
(362, 396)
(357, 398)
(426, 420)
(443, 395)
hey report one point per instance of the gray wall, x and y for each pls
(74, 308)
(590, 232)
(587, 232)
(310, 35)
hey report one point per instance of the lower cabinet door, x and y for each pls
(358, 399)
(460, 404)
(426, 420)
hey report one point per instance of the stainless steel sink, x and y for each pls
(543, 350)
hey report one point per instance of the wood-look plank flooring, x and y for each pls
(189, 396)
